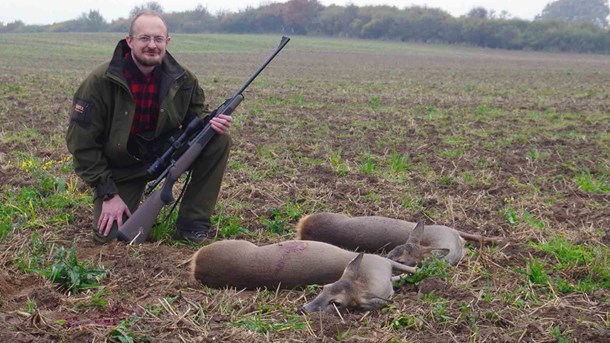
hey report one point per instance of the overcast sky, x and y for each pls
(51, 11)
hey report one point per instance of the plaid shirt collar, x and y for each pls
(145, 91)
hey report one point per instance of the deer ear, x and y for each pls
(352, 270)
(417, 233)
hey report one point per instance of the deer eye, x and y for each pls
(335, 303)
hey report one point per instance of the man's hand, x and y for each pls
(112, 210)
(221, 123)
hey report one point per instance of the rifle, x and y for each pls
(176, 160)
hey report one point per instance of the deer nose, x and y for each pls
(301, 310)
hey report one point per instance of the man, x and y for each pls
(124, 112)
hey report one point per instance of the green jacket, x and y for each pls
(103, 109)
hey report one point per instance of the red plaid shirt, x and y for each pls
(145, 91)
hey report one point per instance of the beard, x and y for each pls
(149, 61)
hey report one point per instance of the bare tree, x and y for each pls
(151, 5)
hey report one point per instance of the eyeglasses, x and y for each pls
(146, 39)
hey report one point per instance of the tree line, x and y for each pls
(557, 28)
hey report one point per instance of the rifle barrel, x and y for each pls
(282, 44)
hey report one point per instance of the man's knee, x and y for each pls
(215, 154)
(222, 143)
(112, 235)
(97, 237)
(114, 230)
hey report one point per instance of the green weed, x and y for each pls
(30, 306)
(510, 214)
(431, 266)
(265, 151)
(70, 274)
(292, 210)
(165, 226)
(297, 100)
(585, 265)
(589, 183)
(455, 140)
(275, 225)
(406, 322)
(468, 178)
(492, 316)
(536, 272)
(514, 298)
(230, 226)
(32, 258)
(342, 335)
(156, 310)
(123, 333)
(374, 102)
(408, 202)
(8, 213)
(273, 101)
(368, 166)
(466, 311)
(98, 300)
(6, 88)
(447, 180)
(432, 113)
(48, 202)
(22, 136)
(267, 324)
(536, 155)
(558, 335)
(453, 153)
(278, 220)
(63, 268)
(438, 308)
(336, 161)
(532, 221)
(399, 163)
(265, 319)
(514, 216)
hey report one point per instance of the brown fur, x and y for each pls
(375, 234)
(412, 253)
(364, 285)
(289, 264)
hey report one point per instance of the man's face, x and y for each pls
(149, 41)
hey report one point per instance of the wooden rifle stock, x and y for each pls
(138, 227)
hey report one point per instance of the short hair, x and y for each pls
(146, 12)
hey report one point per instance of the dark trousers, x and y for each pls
(199, 197)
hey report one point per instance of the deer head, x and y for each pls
(412, 253)
(352, 291)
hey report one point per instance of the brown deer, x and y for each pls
(290, 264)
(375, 234)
